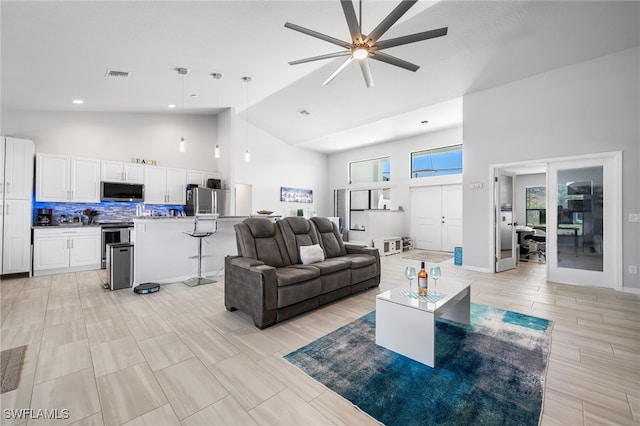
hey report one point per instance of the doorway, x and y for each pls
(436, 217)
(583, 218)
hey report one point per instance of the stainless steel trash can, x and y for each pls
(120, 270)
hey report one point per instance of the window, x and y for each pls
(367, 171)
(536, 205)
(436, 162)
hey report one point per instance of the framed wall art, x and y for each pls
(296, 195)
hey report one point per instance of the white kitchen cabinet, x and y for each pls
(211, 175)
(16, 186)
(67, 179)
(200, 178)
(16, 174)
(85, 180)
(176, 186)
(66, 249)
(155, 185)
(164, 186)
(196, 177)
(52, 177)
(16, 238)
(116, 171)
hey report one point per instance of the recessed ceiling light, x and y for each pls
(78, 101)
(171, 106)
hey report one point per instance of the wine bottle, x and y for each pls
(422, 281)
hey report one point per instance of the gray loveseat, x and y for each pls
(268, 280)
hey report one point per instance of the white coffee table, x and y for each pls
(407, 325)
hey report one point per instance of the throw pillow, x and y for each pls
(311, 254)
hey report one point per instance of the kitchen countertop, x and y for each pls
(161, 217)
(67, 225)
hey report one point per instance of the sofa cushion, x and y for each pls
(361, 260)
(261, 227)
(335, 281)
(362, 274)
(330, 239)
(311, 254)
(259, 238)
(297, 232)
(330, 266)
(295, 274)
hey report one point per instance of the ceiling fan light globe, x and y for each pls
(360, 53)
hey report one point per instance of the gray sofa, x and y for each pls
(268, 280)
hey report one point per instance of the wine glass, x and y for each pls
(410, 274)
(435, 273)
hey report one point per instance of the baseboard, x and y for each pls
(476, 269)
(631, 290)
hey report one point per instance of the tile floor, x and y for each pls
(177, 357)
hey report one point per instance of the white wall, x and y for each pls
(275, 164)
(399, 152)
(119, 136)
(585, 108)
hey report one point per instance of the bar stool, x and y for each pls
(203, 226)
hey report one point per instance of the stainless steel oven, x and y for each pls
(116, 232)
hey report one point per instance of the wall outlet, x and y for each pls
(633, 269)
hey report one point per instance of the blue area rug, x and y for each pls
(490, 372)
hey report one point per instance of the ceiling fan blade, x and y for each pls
(411, 38)
(366, 72)
(388, 22)
(352, 21)
(320, 57)
(316, 34)
(383, 57)
(336, 72)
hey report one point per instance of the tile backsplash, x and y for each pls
(107, 211)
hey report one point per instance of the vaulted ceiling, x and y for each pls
(56, 51)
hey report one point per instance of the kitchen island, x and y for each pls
(165, 253)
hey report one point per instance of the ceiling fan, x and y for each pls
(362, 47)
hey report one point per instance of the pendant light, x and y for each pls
(182, 147)
(217, 76)
(247, 156)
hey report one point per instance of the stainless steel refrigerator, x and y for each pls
(207, 201)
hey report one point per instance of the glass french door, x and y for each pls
(505, 236)
(583, 233)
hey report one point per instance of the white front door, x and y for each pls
(505, 230)
(584, 236)
(426, 215)
(436, 217)
(451, 217)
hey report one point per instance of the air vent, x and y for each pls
(121, 75)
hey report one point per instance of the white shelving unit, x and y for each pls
(389, 245)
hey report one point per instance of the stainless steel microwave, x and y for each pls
(118, 191)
